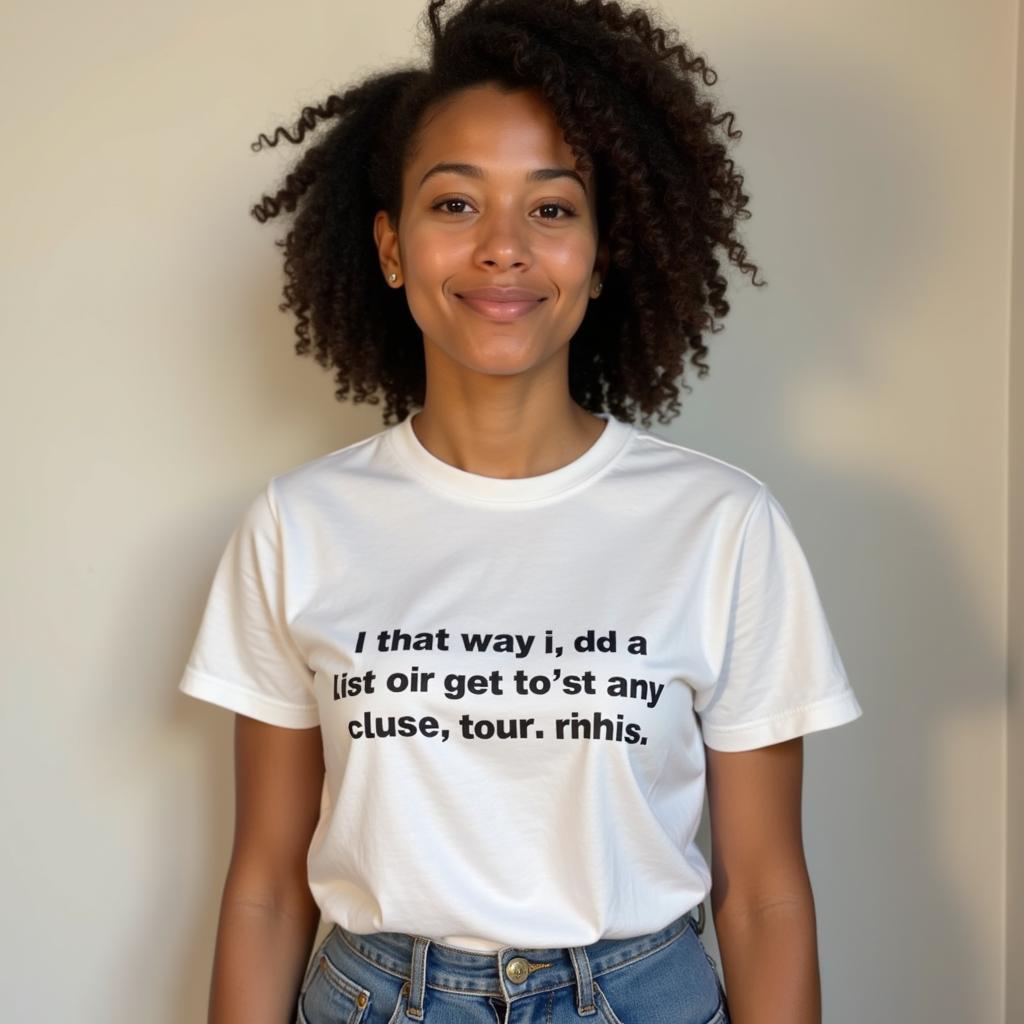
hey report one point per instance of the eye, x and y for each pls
(443, 203)
(567, 210)
(446, 202)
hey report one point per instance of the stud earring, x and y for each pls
(392, 277)
(597, 289)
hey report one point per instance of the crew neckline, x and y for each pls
(610, 443)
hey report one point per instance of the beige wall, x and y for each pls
(1015, 602)
(149, 388)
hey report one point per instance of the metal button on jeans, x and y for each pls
(517, 969)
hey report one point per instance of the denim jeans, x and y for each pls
(664, 977)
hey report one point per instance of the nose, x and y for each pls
(502, 239)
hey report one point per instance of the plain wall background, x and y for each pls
(1015, 590)
(150, 389)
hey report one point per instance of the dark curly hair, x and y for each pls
(625, 95)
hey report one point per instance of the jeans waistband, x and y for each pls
(510, 972)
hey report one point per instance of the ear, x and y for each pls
(386, 239)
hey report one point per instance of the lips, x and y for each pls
(498, 293)
(501, 303)
(501, 310)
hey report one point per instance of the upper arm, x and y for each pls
(754, 803)
(278, 782)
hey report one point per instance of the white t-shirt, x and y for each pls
(515, 678)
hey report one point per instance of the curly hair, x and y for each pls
(625, 94)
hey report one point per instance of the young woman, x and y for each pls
(485, 661)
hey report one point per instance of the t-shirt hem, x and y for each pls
(837, 709)
(236, 698)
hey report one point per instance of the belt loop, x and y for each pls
(418, 977)
(700, 918)
(584, 980)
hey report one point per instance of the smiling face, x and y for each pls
(494, 199)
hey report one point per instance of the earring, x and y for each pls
(597, 290)
(392, 276)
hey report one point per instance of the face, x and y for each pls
(494, 223)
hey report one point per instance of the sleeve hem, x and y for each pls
(826, 713)
(254, 705)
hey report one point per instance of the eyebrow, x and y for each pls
(472, 171)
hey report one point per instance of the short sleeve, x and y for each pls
(781, 674)
(244, 657)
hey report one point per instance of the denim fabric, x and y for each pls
(665, 977)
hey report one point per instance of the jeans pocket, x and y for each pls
(311, 967)
(604, 1008)
(629, 1013)
(329, 996)
(666, 985)
(723, 1012)
(398, 1013)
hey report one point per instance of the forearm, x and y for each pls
(770, 964)
(260, 959)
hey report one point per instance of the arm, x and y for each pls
(761, 895)
(268, 919)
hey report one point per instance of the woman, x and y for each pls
(484, 661)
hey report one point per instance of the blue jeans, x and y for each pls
(664, 977)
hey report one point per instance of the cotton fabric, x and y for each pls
(515, 678)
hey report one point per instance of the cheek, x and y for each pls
(431, 252)
(569, 257)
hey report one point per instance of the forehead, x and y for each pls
(483, 125)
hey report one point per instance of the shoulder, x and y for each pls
(694, 475)
(328, 477)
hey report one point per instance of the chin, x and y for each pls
(507, 354)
